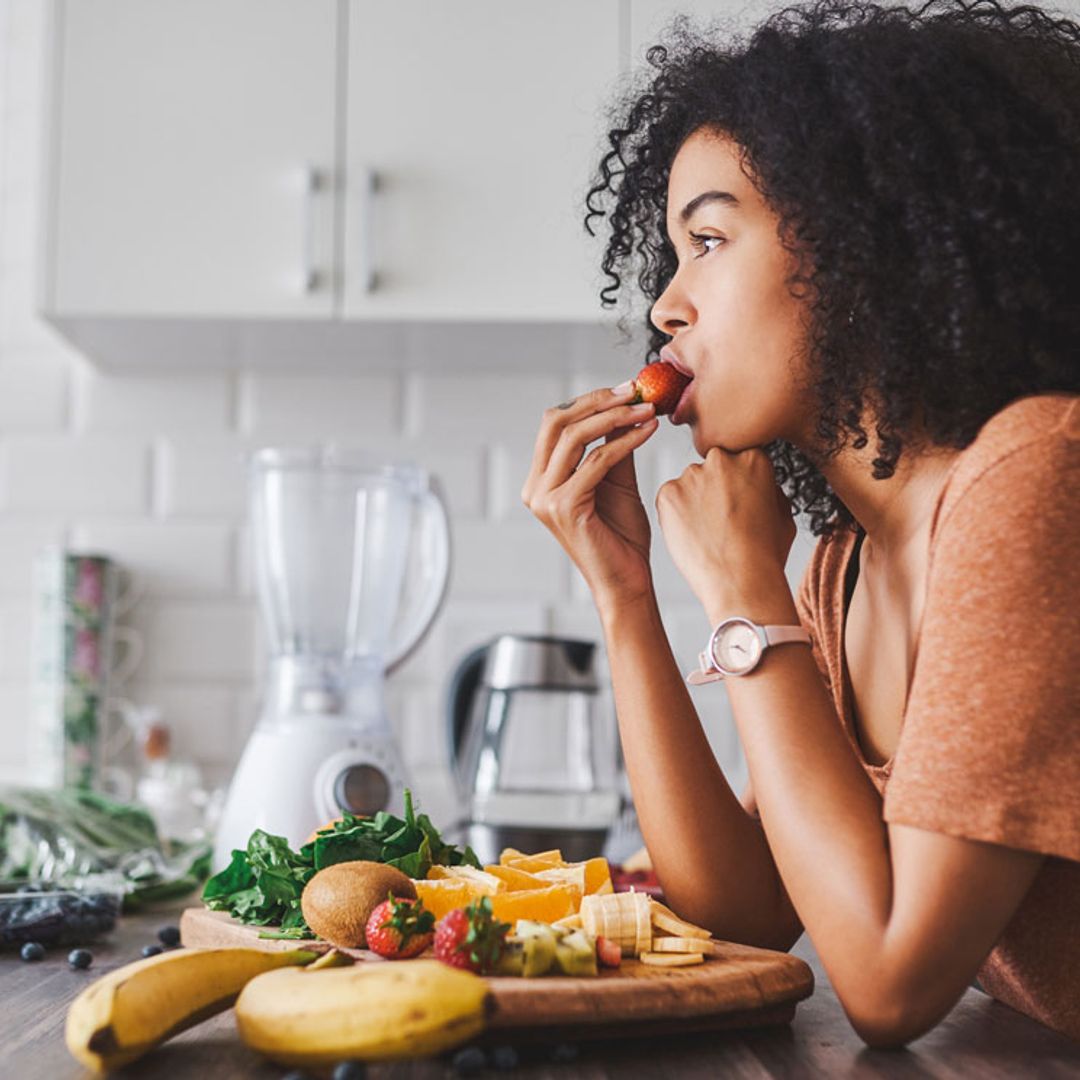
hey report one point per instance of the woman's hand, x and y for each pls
(590, 501)
(729, 529)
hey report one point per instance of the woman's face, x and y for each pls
(733, 324)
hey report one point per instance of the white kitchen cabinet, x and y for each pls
(193, 158)
(481, 123)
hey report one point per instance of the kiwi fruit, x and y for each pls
(339, 899)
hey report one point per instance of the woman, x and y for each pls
(858, 232)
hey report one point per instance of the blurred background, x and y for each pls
(233, 225)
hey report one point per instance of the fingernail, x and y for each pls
(622, 387)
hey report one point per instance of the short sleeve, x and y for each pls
(990, 747)
(808, 604)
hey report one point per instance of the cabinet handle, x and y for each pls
(369, 186)
(312, 184)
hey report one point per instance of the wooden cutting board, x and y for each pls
(742, 987)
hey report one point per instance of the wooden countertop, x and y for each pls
(979, 1037)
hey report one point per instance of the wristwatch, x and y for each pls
(735, 648)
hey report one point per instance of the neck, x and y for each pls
(895, 513)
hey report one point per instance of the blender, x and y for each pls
(352, 563)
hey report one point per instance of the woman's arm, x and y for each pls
(901, 917)
(709, 853)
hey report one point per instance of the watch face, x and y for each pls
(738, 648)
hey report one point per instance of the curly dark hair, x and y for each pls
(925, 170)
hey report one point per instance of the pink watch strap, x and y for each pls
(780, 635)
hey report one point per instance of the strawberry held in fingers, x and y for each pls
(399, 928)
(661, 384)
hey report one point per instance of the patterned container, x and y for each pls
(75, 608)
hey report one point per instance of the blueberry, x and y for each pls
(469, 1060)
(151, 950)
(504, 1057)
(564, 1052)
(80, 959)
(169, 936)
(32, 951)
(350, 1070)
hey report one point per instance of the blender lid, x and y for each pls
(524, 661)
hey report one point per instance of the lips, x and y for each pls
(679, 414)
(669, 357)
(682, 407)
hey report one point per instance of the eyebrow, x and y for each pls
(705, 197)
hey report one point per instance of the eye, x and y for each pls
(699, 243)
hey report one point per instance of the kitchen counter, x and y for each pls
(979, 1037)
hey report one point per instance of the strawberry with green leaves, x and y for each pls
(470, 938)
(662, 384)
(399, 928)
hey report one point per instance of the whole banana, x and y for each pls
(371, 1011)
(131, 1010)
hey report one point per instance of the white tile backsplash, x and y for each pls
(210, 641)
(508, 560)
(201, 477)
(358, 410)
(33, 392)
(474, 408)
(20, 541)
(64, 473)
(152, 404)
(170, 559)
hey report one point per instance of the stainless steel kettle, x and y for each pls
(533, 746)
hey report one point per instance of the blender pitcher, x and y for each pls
(351, 565)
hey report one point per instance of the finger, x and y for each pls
(559, 416)
(623, 474)
(601, 460)
(575, 438)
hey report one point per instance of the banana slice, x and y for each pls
(670, 959)
(643, 935)
(681, 945)
(624, 918)
(663, 918)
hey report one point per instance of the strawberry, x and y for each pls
(470, 938)
(608, 952)
(399, 928)
(660, 383)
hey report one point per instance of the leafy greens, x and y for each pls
(262, 885)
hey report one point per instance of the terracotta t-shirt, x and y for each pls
(990, 744)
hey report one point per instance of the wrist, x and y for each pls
(768, 602)
(614, 608)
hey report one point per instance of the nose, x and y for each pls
(672, 310)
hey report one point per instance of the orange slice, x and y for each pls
(597, 876)
(542, 860)
(441, 896)
(480, 878)
(540, 905)
(566, 875)
(515, 879)
(592, 876)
